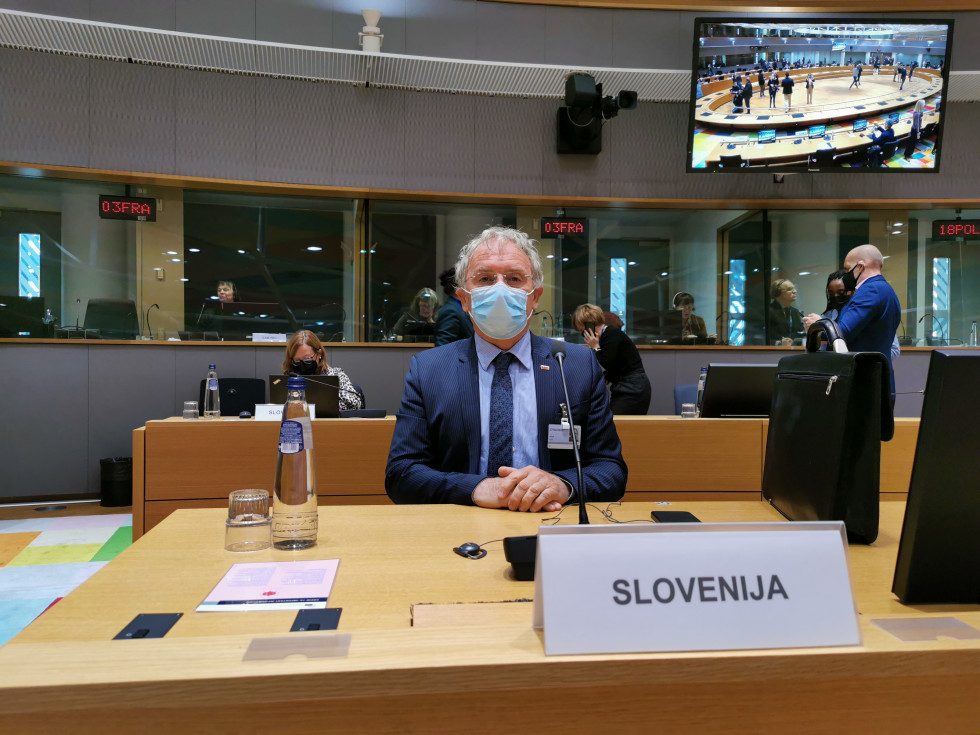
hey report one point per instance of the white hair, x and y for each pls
(501, 234)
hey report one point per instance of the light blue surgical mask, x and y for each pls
(500, 311)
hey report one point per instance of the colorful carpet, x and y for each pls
(43, 559)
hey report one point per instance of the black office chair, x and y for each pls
(112, 318)
(888, 150)
(824, 157)
(360, 393)
(928, 130)
(237, 395)
(733, 161)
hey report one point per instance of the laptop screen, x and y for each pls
(321, 390)
(737, 390)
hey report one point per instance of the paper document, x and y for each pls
(289, 585)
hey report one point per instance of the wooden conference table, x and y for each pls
(439, 643)
(195, 464)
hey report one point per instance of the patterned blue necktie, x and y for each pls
(501, 416)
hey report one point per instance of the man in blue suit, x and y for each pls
(870, 319)
(452, 322)
(473, 423)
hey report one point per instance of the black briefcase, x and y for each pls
(830, 412)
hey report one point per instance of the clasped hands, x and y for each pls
(527, 489)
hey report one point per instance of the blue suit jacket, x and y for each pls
(452, 323)
(435, 450)
(870, 319)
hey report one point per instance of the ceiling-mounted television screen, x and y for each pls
(875, 87)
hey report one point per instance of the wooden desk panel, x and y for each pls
(64, 673)
(197, 463)
(209, 459)
(671, 454)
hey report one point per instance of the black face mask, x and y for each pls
(838, 302)
(849, 280)
(302, 367)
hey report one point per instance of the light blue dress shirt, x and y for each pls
(525, 401)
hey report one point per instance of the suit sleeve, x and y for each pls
(863, 308)
(603, 468)
(447, 326)
(412, 475)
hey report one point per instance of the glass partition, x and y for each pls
(232, 265)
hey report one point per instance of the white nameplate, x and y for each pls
(268, 337)
(693, 587)
(273, 411)
(268, 412)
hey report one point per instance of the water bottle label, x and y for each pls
(291, 437)
(212, 384)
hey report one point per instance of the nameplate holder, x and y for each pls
(268, 337)
(268, 412)
(273, 411)
(693, 587)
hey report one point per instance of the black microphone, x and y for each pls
(204, 305)
(558, 350)
(151, 307)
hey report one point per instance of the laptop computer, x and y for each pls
(737, 390)
(321, 390)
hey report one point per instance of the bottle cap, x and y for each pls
(296, 384)
(210, 367)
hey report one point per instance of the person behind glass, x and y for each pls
(305, 356)
(451, 322)
(785, 320)
(412, 324)
(693, 328)
(227, 292)
(629, 387)
(211, 318)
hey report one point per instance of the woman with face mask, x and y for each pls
(305, 356)
(629, 387)
(838, 294)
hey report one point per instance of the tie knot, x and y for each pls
(502, 362)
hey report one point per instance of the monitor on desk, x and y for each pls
(939, 550)
(321, 390)
(767, 136)
(859, 125)
(737, 391)
(816, 131)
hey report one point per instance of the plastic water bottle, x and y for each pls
(973, 334)
(701, 381)
(212, 400)
(294, 511)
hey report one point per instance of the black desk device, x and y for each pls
(522, 553)
(150, 625)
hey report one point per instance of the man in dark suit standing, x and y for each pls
(870, 319)
(451, 323)
(473, 423)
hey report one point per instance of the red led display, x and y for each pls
(561, 226)
(952, 229)
(142, 210)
